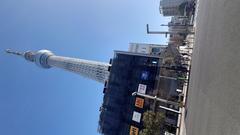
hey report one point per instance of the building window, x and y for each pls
(156, 50)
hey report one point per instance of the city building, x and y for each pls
(151, 49)
(178, 25)
(127, 72)
(121, 113)
(172, 7)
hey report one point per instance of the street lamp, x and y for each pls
(176, 68)
(176, 25)
(173, 78)
(169, 109)
(155, 98)
(167, 32)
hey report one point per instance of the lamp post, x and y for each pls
(173, 78)
(176, 25)
(169, 109)
(167, 32)
(176, 68)
(155, 98)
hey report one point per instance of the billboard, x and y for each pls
(139, 102)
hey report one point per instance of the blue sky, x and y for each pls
(34, 101)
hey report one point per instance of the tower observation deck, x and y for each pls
(94, 70)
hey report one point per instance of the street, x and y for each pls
(213, 106)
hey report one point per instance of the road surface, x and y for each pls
(213, 106)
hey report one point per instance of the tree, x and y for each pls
(153, 123)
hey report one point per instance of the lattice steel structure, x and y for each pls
(97, 71)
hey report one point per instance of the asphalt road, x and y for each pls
(214, 94)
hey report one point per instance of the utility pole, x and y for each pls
(169, 25)
(167, 32)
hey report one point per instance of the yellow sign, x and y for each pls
(133, 130)
(139, 102)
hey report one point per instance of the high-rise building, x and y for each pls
(151, 49)
(171, 7)
(178, 25)
(121, 113)
(97, 71)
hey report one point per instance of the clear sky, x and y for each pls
(34, 101)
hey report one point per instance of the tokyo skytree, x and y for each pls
(97, 71)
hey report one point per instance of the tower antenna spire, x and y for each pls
(94, 70)
(14, 52)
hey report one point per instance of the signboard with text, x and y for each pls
(139, 102)
(142, 88)
(133, 130)
(136, 116)
(144, 75)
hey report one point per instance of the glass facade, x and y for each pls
(127, 72)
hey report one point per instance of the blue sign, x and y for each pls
(145, 75)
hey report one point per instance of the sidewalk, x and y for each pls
(181, 118)
(183, 110)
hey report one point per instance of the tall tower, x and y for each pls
(97, 71)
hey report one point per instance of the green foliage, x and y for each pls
(153, 123)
